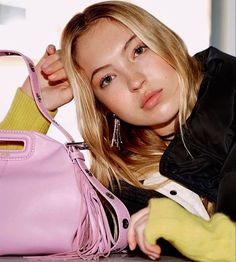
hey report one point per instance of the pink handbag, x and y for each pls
(49, 201)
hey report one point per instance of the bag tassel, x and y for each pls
(94, 235)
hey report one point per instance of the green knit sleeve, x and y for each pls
(24, 115)
(194, 237)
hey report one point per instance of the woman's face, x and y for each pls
(128, 78)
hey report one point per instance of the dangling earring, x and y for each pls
(116, 136)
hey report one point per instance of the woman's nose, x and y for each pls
(135, 81)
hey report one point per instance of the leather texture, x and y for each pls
(49, 201)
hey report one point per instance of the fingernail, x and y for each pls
(131, 247)
(152, 258)
(52, 77)
(50, 48)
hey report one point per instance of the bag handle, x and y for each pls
(120, 209)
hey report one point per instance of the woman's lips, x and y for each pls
(151, 99)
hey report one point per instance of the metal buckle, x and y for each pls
(78, 145)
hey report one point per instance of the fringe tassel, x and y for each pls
(93, 238)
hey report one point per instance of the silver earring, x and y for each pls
(116, 136)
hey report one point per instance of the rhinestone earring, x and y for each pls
(116, 136)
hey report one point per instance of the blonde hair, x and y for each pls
(143, 148)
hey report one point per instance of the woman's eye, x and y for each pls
(139, 50)
(106, 80)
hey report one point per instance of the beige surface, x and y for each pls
(113, 258)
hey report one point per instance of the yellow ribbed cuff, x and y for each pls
(24, 115)
(194, 237)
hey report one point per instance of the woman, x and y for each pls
(145, 105)
(157, 93)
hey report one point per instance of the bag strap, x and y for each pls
(121, 212)
(36, 90)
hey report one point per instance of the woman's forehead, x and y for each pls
(104, 25)
(101, 39)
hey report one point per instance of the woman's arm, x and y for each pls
(194, 237)
(24, 114)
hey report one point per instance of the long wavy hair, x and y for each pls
(142, 148)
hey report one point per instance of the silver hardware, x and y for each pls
(79, 145)
(116, 136)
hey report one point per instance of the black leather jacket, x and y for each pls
(210, 135)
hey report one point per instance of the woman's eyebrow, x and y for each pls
(105, 66)
(129, 41)
(98, 69)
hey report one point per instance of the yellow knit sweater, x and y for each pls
(197, 239)
(24, 115)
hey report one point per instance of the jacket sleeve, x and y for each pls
(24, 115)
(195, 238)
(227, 189)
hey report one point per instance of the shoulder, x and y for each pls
(212, 53)
(219, 69)
(214, 60)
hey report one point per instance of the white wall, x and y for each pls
(45, 20)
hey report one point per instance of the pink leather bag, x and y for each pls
(49, 201)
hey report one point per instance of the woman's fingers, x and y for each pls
(131, 235)
(136, 235)
(59, 75)
(153, 251)
(52, 79)
(53, 68)
(52, 63)
(56, 90)
(57, 95)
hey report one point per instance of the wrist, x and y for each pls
(26, 88)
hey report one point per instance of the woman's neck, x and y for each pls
(168, 137)
(166, 130)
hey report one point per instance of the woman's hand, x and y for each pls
(136, 235)
(53, 81)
